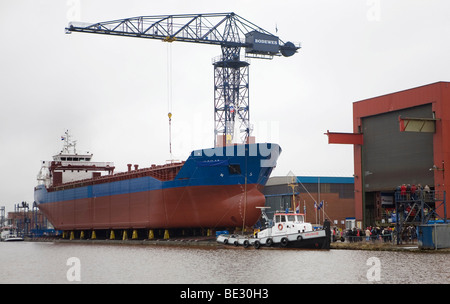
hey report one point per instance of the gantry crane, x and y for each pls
(231, 78)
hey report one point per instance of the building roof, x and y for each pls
(280, 180)
(433, 84)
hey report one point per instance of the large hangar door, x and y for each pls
(390, 157)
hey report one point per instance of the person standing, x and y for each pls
(397, 193)
(419, 192)
(367, 234)
(426, 191)
(403, 192)
(413, 192)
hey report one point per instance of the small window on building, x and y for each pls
(234, 169)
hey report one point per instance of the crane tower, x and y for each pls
(231, 77)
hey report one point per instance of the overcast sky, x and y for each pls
(111, 92)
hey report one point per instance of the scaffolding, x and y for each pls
(29, 221)
(2, 216)
(418, 208)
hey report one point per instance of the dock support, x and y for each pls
(72, 235)
(124, 235)
(82, 235)
(166, 234)
(111, 235)
(151, 234)
(135, 235)
(93, 235)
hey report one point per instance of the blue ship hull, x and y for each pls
(219, 187)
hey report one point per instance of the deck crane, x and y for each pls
(231, 78)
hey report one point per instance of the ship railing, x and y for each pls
(419, 195)
(87, 163)
(161, 172)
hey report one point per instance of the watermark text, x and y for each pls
(374, 272)
(74, 272)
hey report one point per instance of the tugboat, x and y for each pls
(286, 230)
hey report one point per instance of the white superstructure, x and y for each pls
(69, 166)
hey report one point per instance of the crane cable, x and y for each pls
(169, 95)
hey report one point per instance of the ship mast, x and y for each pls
(68, 143)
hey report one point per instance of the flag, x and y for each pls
(62, 138)
(315, 205)
(320, 205)
(297, 210)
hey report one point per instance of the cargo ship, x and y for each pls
(213, 188)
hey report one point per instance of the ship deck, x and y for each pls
(165, 172)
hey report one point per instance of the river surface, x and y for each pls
(47, 262)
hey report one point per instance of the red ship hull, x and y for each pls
(185, 207)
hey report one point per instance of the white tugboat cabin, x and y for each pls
(286, 223)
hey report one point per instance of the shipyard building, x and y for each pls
(400, 140)
(319, 197)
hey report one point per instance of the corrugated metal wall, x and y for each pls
(390, 157)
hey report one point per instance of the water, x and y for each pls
(46, 262)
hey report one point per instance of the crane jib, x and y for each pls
(225, 29)
(231, 81)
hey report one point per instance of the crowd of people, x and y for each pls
(410, 198)
(408, 192)
(383, 234)
(409, 211)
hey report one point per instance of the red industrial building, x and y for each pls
(399, 138)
